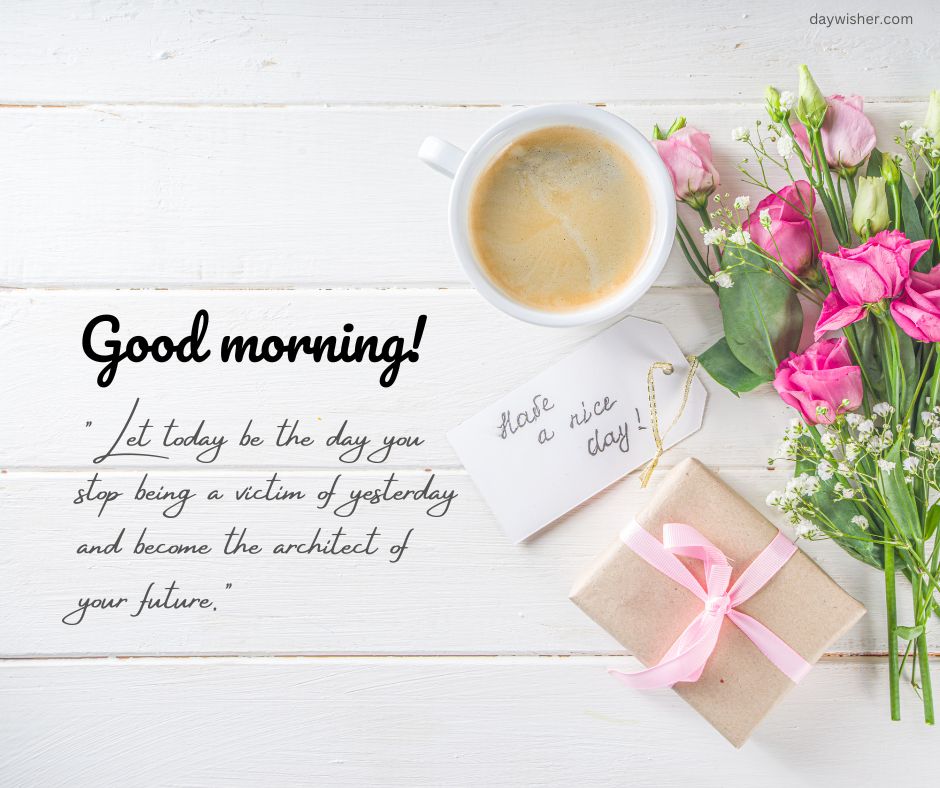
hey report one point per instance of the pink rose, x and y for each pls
(847, 135)
(917, 310)
(867, 274)
(790, 237)
(822, 376)
(687, 154)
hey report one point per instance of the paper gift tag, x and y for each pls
(577, 427)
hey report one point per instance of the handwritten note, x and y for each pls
(576, 428)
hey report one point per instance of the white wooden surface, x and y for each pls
(257, 159)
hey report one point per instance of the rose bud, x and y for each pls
(687, 154)
(870, 212)
(811, 106)
(890, 170)
(932, 122)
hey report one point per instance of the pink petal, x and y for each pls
(857, 282)
(918, 248)
(836, 314)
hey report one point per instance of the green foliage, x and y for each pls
(898, 494)
(725, 368)
(856, 541)
(910, 214)
(761, 314)
(909, 633)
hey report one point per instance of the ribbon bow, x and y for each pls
(686, 658)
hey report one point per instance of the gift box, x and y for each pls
(798, 609)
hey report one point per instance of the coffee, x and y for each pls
(561, 218)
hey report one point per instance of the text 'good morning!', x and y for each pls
(347, 347)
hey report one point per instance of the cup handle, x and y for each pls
(440, 155)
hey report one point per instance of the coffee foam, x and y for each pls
(562, 217)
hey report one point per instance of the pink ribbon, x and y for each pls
(686, 658)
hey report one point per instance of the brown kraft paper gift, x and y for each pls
(646, 611)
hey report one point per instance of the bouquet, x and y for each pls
(847, 237)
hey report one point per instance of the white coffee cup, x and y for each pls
(465, 168)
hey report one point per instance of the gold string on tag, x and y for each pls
(667, 369)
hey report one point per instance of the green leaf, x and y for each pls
(909, 633)
(933, 519)
(897, 493)
(857, 542)
(761, 314)
(910, 367)
(725, 368)
(869, 356)
(913, 229)
(874, 163)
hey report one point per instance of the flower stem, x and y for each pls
(922, 616)
(707, 224)
(839, 220)
(891, 603)
(896, 204)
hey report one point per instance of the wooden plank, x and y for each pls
(290, 51)
(460, 588)
(497, 722)
(163, 197)
(470, 354)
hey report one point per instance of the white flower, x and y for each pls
(714, 236)
(740, 134)
(785, 147)
(765, 219)
(865, 426)
(883, 409)
(740, 237)
(844, 492)
(804, 484)
(844, 469)
(723, 279)
(861, 522)
(886, 465)
(936, 433)
(922, 444)
(928, 417)
(742, 203)
(906, 125)
(824, 469)
(910, 464)
(804, 529)
(787, 100)
(774, 498)
(852, 419)
(851, 451)
(828, 440)
(920, 136)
